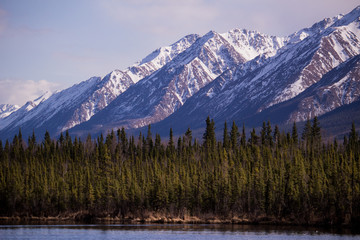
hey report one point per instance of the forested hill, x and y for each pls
(280, 177)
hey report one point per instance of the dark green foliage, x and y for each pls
(294, 135)
(272, 175)
(209, 135)
(306, 135)
(234, 135)
(226, 140)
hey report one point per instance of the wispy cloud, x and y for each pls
(20, 91)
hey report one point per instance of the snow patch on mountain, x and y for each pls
(7, 109)
(341, 44)
(14, 118)
(251, 44)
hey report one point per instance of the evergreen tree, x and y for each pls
(315, 130)
(294, 134)
(171, 146)
(188, 137)
(269, 137)
(253, 138)
(307, 132)
(353, 136)
(234, 135)
(226, 141)
(280, 182)
(277, 135)
(209, 135)
(243, 137)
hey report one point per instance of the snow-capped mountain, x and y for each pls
(165, 91)
(239, 75)
(21, 112)
(7, 109)
(243, 93)
(80, 102)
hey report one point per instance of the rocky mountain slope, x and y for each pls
(239, 75)
(80, 102)
(7, 109)
(242, 93)
(164, 92)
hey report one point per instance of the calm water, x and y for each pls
(173, 231)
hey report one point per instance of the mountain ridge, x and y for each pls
(235, 75)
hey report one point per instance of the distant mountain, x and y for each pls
(7, 109)
(21, 112)
(80, 102)
(239, 75)
(165, 91)
(326, 61)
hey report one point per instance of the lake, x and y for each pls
(169, 231)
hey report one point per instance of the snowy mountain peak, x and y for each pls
(226, 75)
(352, 16)
(164, 54)
(72, 106)
(165, 91)
(316, 28)
(7, 109)
(31, 104)
(42, 98)
(251, 44)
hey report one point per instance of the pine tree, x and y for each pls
(171, 145)
(188, 137)
(294, 134)
(263, 134)
(209, 135)
(149, 141)
(315, 130)
(253, 138)
(269, 137)
(277, 135)
(307, 132)
(226, 141)
(243, 137)
(353, 137)
(234, 135)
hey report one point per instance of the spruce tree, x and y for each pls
(188, 137)
(315, 130)
(234, 135)
(307, 132)
(226, 141)
(209, 135)
(294, 134)
(243, 137)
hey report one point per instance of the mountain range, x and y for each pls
(241, 75)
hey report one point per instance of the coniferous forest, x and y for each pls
(292, 177)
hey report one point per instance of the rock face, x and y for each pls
(239, 75)
(79, 103)
(164, 92)
(325, 59)
(7, 109)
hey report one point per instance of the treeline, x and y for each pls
(293, 176)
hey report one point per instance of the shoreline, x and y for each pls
(87, 218)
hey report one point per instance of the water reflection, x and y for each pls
(221, 228)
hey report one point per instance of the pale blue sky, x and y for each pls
(52, 44)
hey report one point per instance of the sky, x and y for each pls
(48, 45)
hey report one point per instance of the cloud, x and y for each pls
(20, 91)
